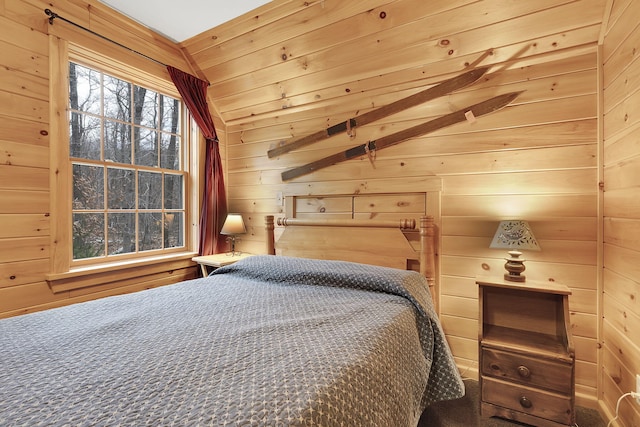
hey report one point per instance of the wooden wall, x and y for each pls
(290, 70)
(27, 207)
(621, 127)
(293, 68)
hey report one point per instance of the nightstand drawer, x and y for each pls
(547, 405)
(551, 375)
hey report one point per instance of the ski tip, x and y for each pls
(506, 98)
(478, 72)
(514, 95)
(482, 70)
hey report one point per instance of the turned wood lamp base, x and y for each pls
(515, 267)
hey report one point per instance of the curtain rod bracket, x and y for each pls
(52, 15)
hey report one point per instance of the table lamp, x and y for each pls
(515, 235)
(233, 226)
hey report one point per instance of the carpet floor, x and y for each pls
(465, 412)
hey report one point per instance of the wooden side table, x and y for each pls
(527, 357)
(217, 261)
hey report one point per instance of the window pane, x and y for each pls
(88, 235)
(117, 99)
(173, 192)
(122, 233)
(146, 147)
(117, 142)
(173, 226)
(88, 187)
(146, 107)
(150, 231)
(170, 151)
(170, 114)
(149, 190)
(84, 89)
(127, 166)
(121, 191)
(84, 132)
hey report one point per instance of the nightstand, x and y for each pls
(526, 352)
(217, 260)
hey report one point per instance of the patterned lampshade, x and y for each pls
(516, 235)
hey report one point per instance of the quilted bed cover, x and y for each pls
(268, 341)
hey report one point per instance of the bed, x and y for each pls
(272, 340)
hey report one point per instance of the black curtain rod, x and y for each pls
(52, 15)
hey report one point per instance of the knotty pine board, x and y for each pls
(407, 48)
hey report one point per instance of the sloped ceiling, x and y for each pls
(180, 20)
(334, 57)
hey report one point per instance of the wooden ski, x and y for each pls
(441, 89)
(477, 110)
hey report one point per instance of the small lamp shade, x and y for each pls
(515, 235)
(232, 226)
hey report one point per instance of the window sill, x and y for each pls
(94, 275)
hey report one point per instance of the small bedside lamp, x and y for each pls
(514, 235)
(233, 226)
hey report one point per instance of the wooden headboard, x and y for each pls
(394, 229)
(378, 242)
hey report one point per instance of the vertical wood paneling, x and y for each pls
(621, 310)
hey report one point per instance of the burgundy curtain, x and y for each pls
(214, 199)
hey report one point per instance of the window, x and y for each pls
(127, 161)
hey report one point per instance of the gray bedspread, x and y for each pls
(268, 341)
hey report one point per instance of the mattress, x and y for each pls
(267, 341)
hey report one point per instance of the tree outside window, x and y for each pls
(126, 154)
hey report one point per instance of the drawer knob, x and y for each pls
(523, 371)
(525, 403)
